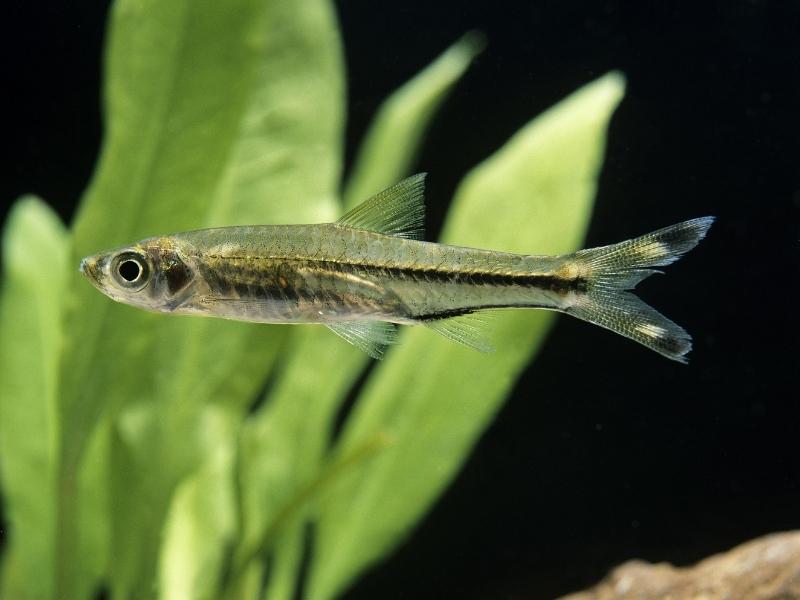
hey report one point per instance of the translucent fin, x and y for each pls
(370, 336)
(614, 269)
(627, 315)
(398, 210)
(657, 249)
(469, 330)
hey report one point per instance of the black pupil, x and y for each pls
(129, 270)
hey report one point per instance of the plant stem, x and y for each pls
(300, 500)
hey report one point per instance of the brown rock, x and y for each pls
(767, 568)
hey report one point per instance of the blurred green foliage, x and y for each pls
(131, 454)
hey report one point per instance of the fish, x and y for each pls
(369, 272)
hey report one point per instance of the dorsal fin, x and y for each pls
(398, 210)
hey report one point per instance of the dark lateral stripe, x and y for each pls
(549, 282)
(545, 282)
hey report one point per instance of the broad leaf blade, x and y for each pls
(284, 571)
(175, 90)
(95, 517)
(284, 167)
(283, 443)
(179, 87)
(396, 133)
(34, 254)
(178, 77)
(202, 519)
(535, 196)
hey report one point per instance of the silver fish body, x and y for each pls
(331, 272)
(363, 274)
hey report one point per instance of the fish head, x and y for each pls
(154, 274)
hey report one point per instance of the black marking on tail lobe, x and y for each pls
(618, 268)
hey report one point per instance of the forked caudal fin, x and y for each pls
(612, 270)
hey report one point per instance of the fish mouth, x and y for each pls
(88, 269)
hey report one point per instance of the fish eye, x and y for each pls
(130, 270)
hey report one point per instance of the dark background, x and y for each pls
(605, 452)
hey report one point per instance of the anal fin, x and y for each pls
(370, 336)
(468, 330)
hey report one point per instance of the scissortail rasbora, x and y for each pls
(369, 271)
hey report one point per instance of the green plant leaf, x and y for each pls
(283, 444)
(534, 195)
(34, 257)
(284, 167)
(388, 150)
(210, 122)
(202, 518)
(95, 524)
(178, 77)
